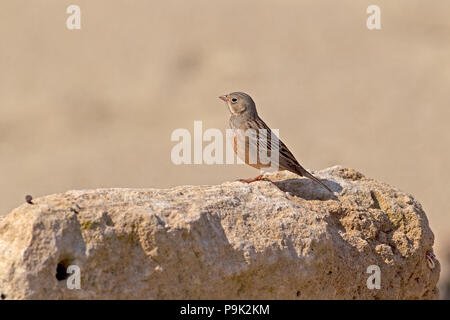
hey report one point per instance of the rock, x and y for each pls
(283, 240)
(444, 283)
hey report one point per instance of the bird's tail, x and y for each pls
(310, 176)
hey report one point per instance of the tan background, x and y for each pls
(96, 107)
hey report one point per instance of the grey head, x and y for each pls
(240, 104)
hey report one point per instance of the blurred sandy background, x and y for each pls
(96, 107)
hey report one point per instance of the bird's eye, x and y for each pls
(234, 100)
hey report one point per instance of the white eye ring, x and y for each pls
(234, 100)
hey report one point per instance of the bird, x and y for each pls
(244, 116)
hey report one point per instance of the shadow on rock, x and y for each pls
(308, 190)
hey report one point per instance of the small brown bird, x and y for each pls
(244, 116)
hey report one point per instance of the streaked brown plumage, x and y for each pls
(244, 116)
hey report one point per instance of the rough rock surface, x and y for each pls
(283, 240)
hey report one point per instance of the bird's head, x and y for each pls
(240, 103)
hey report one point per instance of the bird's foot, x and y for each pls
(258, 178)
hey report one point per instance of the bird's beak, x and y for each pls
(224, 98)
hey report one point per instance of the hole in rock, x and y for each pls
(61, 270)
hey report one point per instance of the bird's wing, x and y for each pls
(286, 159)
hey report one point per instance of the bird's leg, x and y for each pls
(258, 178)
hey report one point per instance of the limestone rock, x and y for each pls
(283, 240)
